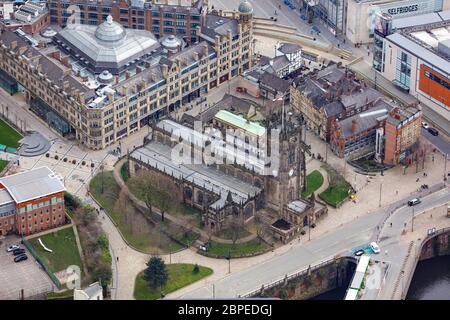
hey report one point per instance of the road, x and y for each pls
(441, 143)
(339, 241)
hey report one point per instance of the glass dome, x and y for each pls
(245, 7)
(110, 31)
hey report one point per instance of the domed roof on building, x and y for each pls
(171, 42)
(245, 7)
(110, 30)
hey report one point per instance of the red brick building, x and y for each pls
(401, 132)
(161, 19)
(30, 17)
(31, 202)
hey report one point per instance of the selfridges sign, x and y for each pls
(410, 8)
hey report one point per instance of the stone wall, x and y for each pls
(436, 246)
(313, 282)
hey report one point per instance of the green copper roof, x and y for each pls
(240, 122)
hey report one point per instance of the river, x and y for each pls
(431, 280)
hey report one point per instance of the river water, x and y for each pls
(431, 280)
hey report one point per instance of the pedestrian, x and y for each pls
(431, 215)
(391, 224)
(396, 192)
(117, 259)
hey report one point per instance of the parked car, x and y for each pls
(433, 131)
(315, 28)
(360, 252)
(303, 17)
(425, 125)
(375, 248)
(12, 248)
(18, 252)
(413, 202)
(22, 257)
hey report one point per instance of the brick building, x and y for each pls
(401, 133)
(30, 17)
(329, 94)
(161, 19)
(31, 202)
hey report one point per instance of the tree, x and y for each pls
(196, 269)
(156, 273)
(144, 186)
(234, 228)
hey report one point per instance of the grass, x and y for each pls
(237, 250)
(61, 295)
(226, 233)
(135, 228)
(180, 275)
(338, 189)
(314, 181)
(8, 136)
(3, 164)
(65, 252)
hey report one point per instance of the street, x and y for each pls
(339, 241)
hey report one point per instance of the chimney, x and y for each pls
(165, 70)
(354, 125)
(22, 50)
(127, 75)
(65, 61)
(13, 44)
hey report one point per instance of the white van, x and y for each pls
(375, 248)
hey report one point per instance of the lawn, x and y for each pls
(338, 189)
(237, 250)
(9, 136)
(314, 181)
(124, 172)
(180, 275)
(227, 233)
(136, 229)
(3, 164)
(65, 252)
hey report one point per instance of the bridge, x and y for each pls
(373, 226)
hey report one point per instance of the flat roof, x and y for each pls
(5, 197)
(32, 184)
(420, 52)
(240, 122)
(363, 263)
(351, 294)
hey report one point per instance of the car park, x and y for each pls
(20, 258)
(433, 131)
(12, 248)
(413, 202)
(18, 252)
(375, 248)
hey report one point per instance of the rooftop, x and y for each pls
(32, 184)
(240, 122)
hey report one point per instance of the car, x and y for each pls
(18, 252)
(12, 248)
(433, 131)
(413, 202)
(358, 253)
(375, 248)
(20, 258)
(303, 17)
(425, 125)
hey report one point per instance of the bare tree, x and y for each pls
(234, 228)
(145, 187)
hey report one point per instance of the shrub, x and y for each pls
(65, 159)
(47, 155)
(74, 161)
(196, 269)
(56, 157)
(92, 165)
(83, 163)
